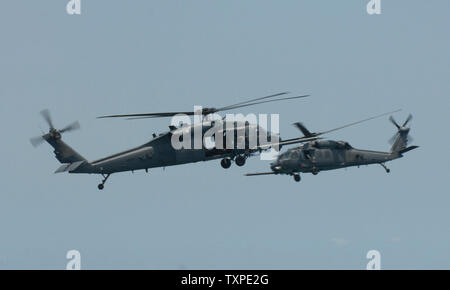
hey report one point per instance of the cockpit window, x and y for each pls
(343, 145)
(284, 156)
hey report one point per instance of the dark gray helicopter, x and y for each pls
(159, 152)
(319, 155)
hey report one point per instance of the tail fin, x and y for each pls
(63, 152)
(401, 141)
(401, 138)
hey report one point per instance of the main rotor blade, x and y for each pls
(36, 141)
(74, 126)
(261, 102)
(315, 136)
(355, 123)
(205, 111)
(46, 115)
(303, 129)
(407, 120)
(146, 115)
(288, 142)
(394, 122)
(252, 100)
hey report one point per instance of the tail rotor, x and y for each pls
(53, 133)
(401, 138)
(401, 129)
(46, 115)
(36, 141)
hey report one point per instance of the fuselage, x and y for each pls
(327, 155)
(161, 152)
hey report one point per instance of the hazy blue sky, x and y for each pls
(145, 56)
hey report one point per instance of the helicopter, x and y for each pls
(159, 152)
(320, 155)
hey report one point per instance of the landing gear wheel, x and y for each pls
(102, 185)
(297, 177)
(226, 163)
(385, 168)
(240, 160)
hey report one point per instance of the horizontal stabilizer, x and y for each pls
(407, 149)
(69, 167)
(62, 168)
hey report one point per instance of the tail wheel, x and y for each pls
(105, 178)
(297, 177)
